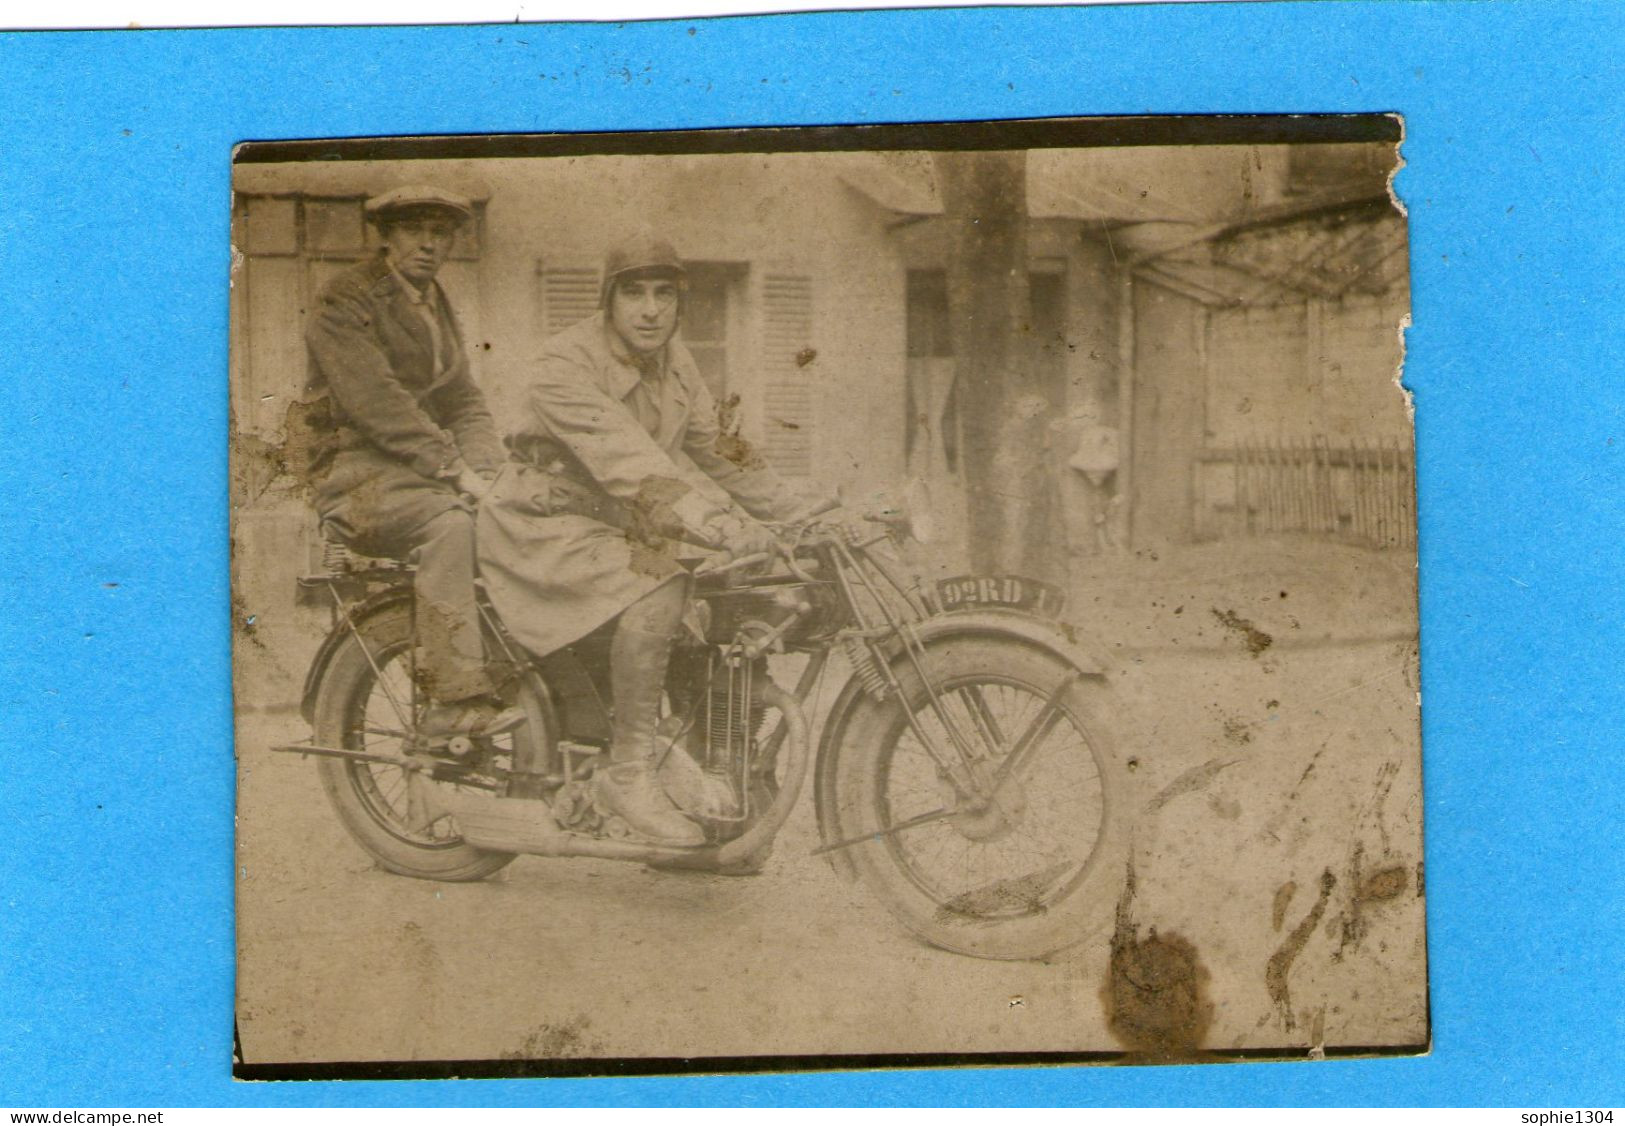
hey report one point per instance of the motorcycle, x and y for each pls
(964, 772)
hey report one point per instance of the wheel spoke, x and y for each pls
(1013, 854)
(1037, 730)
(902, 826)
(420, 806)
(405, 801)
(396, 783)
(983, 716)
(993, 897)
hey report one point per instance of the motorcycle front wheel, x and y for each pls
(1033, 870)
(368, 701)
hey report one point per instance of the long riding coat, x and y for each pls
(390, 407)
(641, 438)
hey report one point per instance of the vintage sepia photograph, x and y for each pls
(827, 597)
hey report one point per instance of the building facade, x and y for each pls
(1218, 325)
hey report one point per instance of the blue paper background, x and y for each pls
(116, 904)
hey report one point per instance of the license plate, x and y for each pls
(1011, 592)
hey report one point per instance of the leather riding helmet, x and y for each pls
(644, 254)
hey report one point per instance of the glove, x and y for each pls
(851, 526)
(740, 538)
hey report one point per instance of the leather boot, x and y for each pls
(637, 669)
(630, 790)
(478, 717)
(686, 782)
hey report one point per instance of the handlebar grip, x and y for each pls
(815, 508)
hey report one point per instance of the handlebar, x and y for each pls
(716, 565)
(710, 567)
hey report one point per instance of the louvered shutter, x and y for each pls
(569, 294)
(787, 397)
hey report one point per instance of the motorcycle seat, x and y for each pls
(339, 558)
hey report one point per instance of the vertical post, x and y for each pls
(1125, 407)
(1006, 411)
(1267, 475)
(1204, 334)
(1357, 476)
(1244, 487)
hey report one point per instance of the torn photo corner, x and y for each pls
(841, 596)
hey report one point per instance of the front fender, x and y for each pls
(1058, 639)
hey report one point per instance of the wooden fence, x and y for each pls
(1362, 492)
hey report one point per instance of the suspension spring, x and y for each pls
(867, 669)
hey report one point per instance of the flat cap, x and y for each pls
(413, 197)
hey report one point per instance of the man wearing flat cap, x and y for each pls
(407, 446)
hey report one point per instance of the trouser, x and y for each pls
(638, 656)
(451, 651)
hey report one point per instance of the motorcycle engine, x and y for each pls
(714, 701)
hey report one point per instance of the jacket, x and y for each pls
(372, 383)
(643, 437)
(651, 441)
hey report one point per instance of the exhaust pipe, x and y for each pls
(522, 825)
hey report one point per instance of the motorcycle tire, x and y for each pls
(942, 878)
(366, 795)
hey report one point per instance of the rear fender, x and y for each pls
(1057, 639)
(583, 710)
(584, 713)
(384, 600)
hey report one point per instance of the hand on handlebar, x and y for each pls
(848, 524)
(741, 538)
(740, 543)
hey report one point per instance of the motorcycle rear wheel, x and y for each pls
(397, 815)
(1032, 874)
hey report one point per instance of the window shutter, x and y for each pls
(569, 294)
(787, 397)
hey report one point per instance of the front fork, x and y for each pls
(966, 763)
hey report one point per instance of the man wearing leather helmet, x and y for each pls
(618, 448)
(404, 443)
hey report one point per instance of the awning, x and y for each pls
(1328, 252)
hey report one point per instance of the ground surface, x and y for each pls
(1276, 885)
